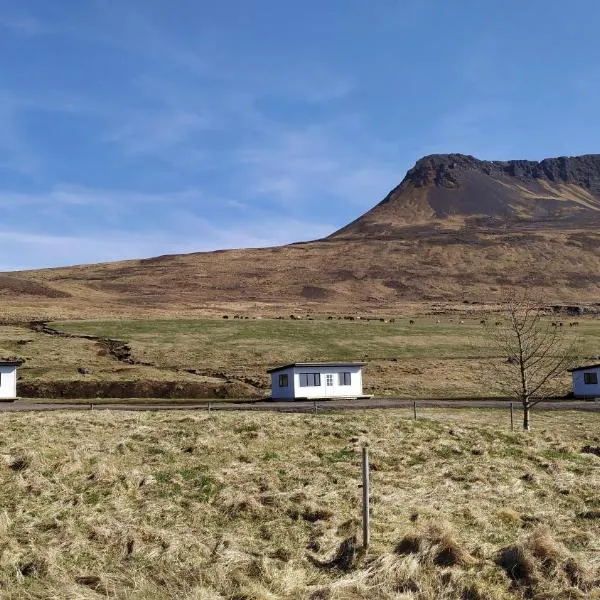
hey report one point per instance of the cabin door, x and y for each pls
(329, 385)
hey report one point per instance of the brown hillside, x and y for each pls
(456, 228)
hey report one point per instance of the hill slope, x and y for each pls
(455, 228)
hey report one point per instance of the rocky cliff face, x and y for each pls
(445, 170)
(457, 190)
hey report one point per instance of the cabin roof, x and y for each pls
(11, 363)
(596, 366)
(317, 364)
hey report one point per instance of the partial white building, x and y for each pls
(586, 381)
(312, 381)
(8, 379)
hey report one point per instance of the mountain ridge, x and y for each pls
(486, 193)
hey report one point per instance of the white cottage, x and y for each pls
(586, 381)
(8, 379)
(312, 381)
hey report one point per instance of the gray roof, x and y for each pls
(318, 364)
(596, 366)
(11, 363)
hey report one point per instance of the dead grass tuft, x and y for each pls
(587, 449)
(409, 544)
(473, 591)
(92, 581)
(589, 514)
(540, 563)
(32, 567)
(312, 514)
(344, 559)
(435, 544)
(517, 563)
(19, 463)
(545, 549)
(450, 554)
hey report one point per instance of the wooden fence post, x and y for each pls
(209, 407)
(365, 497)
(315, 409)
(415, 410)
(512, 419)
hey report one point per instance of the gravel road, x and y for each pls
(302, 406)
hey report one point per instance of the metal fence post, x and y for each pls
(512, 419)
(365, 497)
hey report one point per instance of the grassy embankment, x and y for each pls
(231, 505)
(422, 360)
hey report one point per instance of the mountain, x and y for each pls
(455, 229)
(455, 190)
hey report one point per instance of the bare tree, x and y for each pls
(534, 351)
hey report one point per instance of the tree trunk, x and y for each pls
(526, 410)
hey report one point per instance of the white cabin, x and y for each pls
(8, 379)
(312, 381)
(586, 381)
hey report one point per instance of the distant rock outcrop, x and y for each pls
(444, 170)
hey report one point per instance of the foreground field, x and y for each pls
(425, 359)
(255, 506)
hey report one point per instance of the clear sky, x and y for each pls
(132, 128)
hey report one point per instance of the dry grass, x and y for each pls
(337, 276)
(265, 506)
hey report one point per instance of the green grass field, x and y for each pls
(257, 341)
(241, 505)
(424, 359)
(270, 339)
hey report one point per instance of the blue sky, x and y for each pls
(132, 128)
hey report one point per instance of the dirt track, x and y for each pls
(302, 406)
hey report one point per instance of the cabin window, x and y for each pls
(345, 378)
(310, 380)
(590, 378)
(283, 380)
(329, 379)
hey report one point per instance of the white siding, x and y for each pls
(582, 389)
(8, 383)
(335, 390)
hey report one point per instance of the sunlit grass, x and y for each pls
(231, 505)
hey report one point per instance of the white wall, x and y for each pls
(581, 389)
(325, 391)
(8, 382)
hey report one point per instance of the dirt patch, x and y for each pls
(134, 389)
(591, 450)
(314, 292)
(13, 286)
